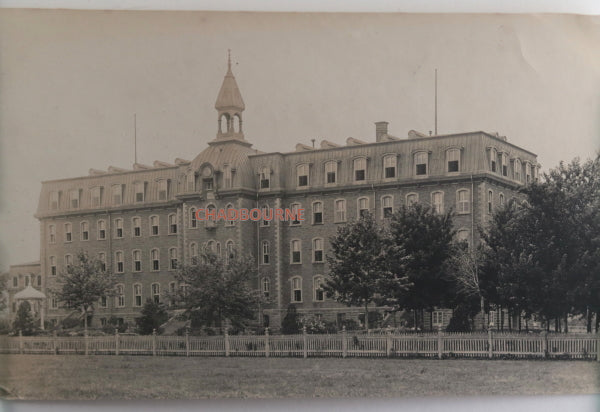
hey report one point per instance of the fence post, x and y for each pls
(388, 344)
(153, 342)
(267, 349)
(304, 346)
(20, 341)
(440, 343)
(187, 342)
(116, 341)
(344, 342)
(86, 343)
(54, 343)
(226, 337)
(545, 344)
(490, 343)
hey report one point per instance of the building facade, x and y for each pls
(141, 222)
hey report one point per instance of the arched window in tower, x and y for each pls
(224, 123)
(237, 123)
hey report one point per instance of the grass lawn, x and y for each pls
(142, 377)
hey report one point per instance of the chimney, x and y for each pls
(381, 129)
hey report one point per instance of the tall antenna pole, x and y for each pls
(435, 102)
(135, 137)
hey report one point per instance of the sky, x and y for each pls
(71, 82)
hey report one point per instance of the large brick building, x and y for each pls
(141, 222)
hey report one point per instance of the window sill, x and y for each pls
(295, 263)
(463, 213)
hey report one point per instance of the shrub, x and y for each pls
(291, 323)
(153, 316)
(24, 321)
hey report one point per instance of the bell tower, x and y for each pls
(230, 106)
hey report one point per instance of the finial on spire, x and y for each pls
(229, 59)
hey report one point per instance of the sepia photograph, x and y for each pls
(209, 205)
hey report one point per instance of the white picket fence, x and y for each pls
(429, 345)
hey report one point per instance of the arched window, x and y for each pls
(387, 206)
(102, 259)
(224, 123)
(462, 201)
(266, 286)
(136, 226)
(137, 294)
(463, 236)
(504, 164)
(411, 199)
(302, 174)
(68, 232)
(85, 231)
(331, 172)
(172, 224)
(266, 257)
(267, 214)
(101, 229)
(119, 265)
(154, 221)
(295, 208)
(437, 202)
(137, 260)
(173, 258)
(389, 166)
(360, 169)
(265, 178)
(227, 177)
(318, 250)
(68, 260)
(120, 296)
(52, 260)
(194, 252)
(501, 199)
(230, 251)
(493, 160)
(163, 187)
(453, 160)
(51, 234)
(518, 170)
(296, 283)
(362, 206)
(421, 162)
(155, 258)
(118, 228)
(490, 199)
(232, 221)
(190, 181)
(296, 251)
(193, 220)
(340, 210)
(155, 292)
(318, 292)
(317, 213)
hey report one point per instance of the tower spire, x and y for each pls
(230, 106)
(228, 60)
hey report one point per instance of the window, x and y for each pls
(490, 197)
(462, 201)
(15, 282)
(173, 258)
(517, 166)
(317, 213)
(421, 162)
(52, 234)
(266, 287)
(190, 182)
(102, 259)
(68, 232)
(155, 258)
(120, 296)
(85, 231)
(265, 178)
(103, 302)
(387, 206)
(340, 210)
(171, 293)
(119, 228)
(53, 200)
(210, 222)
(39, 280)
(68, 260)
(389, 166)
(527, 173)
(296, 254)
(53, 302)
(411, 199)
(208, 183)
(437, 318)
(154, 225)
(163, 186)
(501, 199)
(463, 236)
(318, 250)
(119, 267)
(229, 251)
(74, 196)
(437, 202)
(363, 206)
(26, 281)
(319, 293)
(297, 289)
(136, 224)
(193, 220)
(504, 161)
(101, 229)
(295, 210)
(227, 177)
(117, 195)
(172, 224)
(137, 295)
(493, 159)
(453, 160)
(360, 169)
(95, 195)
(137, 261)
(194, 252)
(265, 252)
(535, 173)
(156, 292)
(139, 191)
(53, 265)
(302, 173)
(331, 172)
(232, 221)
(211, 246)
(268, 214)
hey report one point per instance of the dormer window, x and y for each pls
(527, 172)
(302, 173)
(389, 166)
(517, 170)
(139, 191)
(265, 178)
(95, 195)
(360, 169)
(162, 189)
(504, 164)
(331, 172)
(190, 182)
(74, 198)
(53, 200)
(421, 161)
(117, 195)
(208, 184)
(453, 160)
(493, 160)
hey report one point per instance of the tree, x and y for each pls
(153, 316)
(360, 265)
(3, 293)
(426, 237)
(291, 322)
(216, 290)
(24, 320)
(83, 284)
